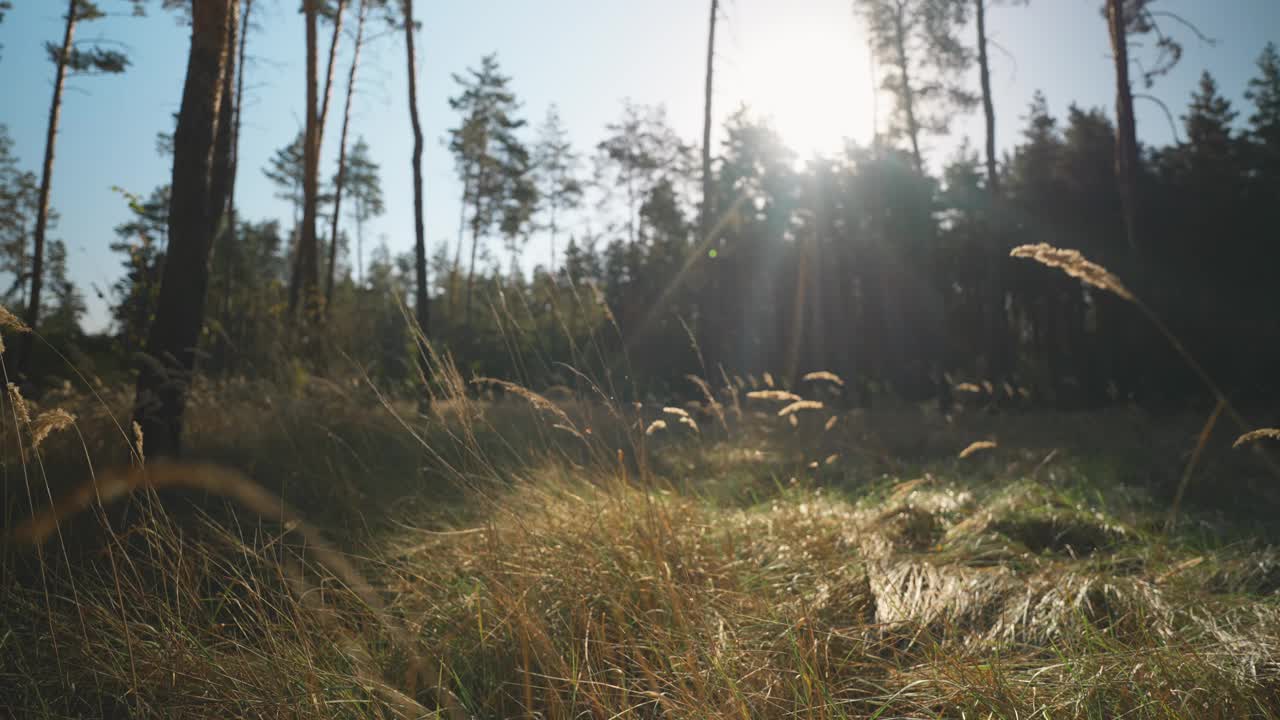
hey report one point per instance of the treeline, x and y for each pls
(659, 267)
(860, 264)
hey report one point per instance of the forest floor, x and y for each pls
(535, 557)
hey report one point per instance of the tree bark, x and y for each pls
(988, 107)
(705, 223)
(27, 341)
(907, 93)
(471, 273)
(307, 263)
(342, 155)
(239, 104)
(222, 174)
(997, 323)
(228, 276)
(329, 68)
(420, 246)
(222, 180)
(1126, 130)
(194, 211)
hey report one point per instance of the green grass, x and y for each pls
(589, 570)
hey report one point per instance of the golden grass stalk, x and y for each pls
(655, 426)
(968, 387)
(799, 405)
(1202, 441)
(823, 375)
(768, 379)
(1076, 265)
(976, 447)
(49, 422)
(224, 482)
(1255, 435)
(9, 321)
(716, 408)
(19, 405)
(686, 420)
(780, 395)
(678, 412)
(831, 422)
(537, 401)
(137, 442)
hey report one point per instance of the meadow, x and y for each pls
(755, 551)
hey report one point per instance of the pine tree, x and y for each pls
(915, 40)
(365, 185)
(556, 168)
(640, 150)
(194, 214)
(489, 155)
(19, 197)
(68, 60)
(142, 240)
(1264, 121)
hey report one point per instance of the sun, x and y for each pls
(807, 73)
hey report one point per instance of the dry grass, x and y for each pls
(769, 573)
(1255, 435)
(1076, 265)
(825, 376)
(974, 448)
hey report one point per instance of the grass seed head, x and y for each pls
(1076, 265)
(781, 395)
(1256, 435)
(9, 321)
(799, 405)
(49, 422)
(824, 375)
(19, 405)
(977, 447)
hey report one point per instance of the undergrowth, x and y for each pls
(552, 559)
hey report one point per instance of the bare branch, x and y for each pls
(1187, 24)
(1173, 126)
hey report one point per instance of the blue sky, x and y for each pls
(803, 62)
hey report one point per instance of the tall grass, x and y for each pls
(496, 552)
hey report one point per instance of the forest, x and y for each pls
(866, 434)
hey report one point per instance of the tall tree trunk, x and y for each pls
(996, 321)
(359, 246)
(196, 204)
(1126, 130)
(223, 179)
(421, 308)
(239, 104)
(705, 224)
(555, 229)
(717, 272)
(307, 264)
(471, 274)
(988, 107)
(875, 94)
(906, 92)
(457, 248)
(342, 154)
(232, 227)
(329, 68)
(26, 343)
